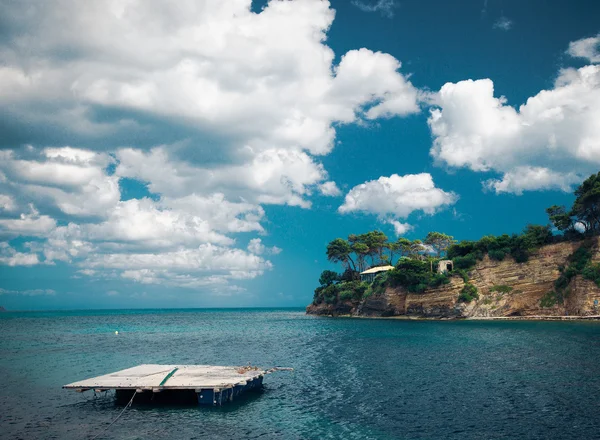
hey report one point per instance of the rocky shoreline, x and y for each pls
(523, 295)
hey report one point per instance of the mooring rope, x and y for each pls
(113, 422)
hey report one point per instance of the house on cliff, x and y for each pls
(370, 274)
(445, 266)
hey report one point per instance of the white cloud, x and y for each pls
(366, 78)
(551, 141)
(217, 109)
(206, 266)
(400, 228)
(7, 203)
(112, 293)
(32, 224)
(397, 197)
(329, 189)
(270, 177)
(11, 257)
(586, 48)
(257, 80)
(385, 7)
(142, 221)
(31, 292)
(528, 178)
(221, 214)
(72, 180)
(255, 246)
(503, 23)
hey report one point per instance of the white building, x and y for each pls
(370, 274)
(445, 266)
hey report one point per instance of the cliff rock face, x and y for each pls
(505, 288)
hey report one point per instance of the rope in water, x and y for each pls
(113, 422)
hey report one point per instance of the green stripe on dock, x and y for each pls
(168, 376)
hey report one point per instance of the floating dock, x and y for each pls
(213, 385)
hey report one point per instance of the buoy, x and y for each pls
(116, 332)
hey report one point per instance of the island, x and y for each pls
(546, 272)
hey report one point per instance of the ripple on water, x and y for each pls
(353, 379)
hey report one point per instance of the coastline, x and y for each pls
(475, 318)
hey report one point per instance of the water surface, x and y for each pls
(353, 379)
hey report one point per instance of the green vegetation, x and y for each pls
(592, 272)
(416, 261)
(550, 299)
(585, 212)
(465, 254)
(468, 293)
(501, 288)
(416, 275)
(333, 289)
(579, 263)
(463, 274)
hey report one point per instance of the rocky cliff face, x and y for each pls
(505, 288)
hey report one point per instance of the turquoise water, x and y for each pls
(353, 379)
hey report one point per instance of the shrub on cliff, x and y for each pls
(550, 299)
(416, 276)
(592, 273)
(352, 291)
(501, 288)
(468, 293)
(466, 262)
(497, 254)
(579, 262)
(328, 277)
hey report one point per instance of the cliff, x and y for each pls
(505, 288)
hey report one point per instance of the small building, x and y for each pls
(445, 266)
(370, 274)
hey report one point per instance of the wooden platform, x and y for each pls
(213, 385)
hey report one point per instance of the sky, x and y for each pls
(202, 153)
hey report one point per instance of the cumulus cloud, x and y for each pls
(400, 228)
(329, 189)
(256, 246)
(32, 224)
(218, 110)
(550, 142)
(397, 197)
(11, 257)
(7, 203)
(75, 181)
(588, 48)
(243, 78)
(271, 177)
(527, 178)
(208, 264)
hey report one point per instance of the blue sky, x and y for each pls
(203, 154)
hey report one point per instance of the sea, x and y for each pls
(352, 378)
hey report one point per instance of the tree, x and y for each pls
(328, 277)
(361, 250)
(376, 241)
(439, 242)
(536, 235)
(586, 208)
(560, 218)
(404, 246)
(416, 249)
(392, 248)
(338, 251)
